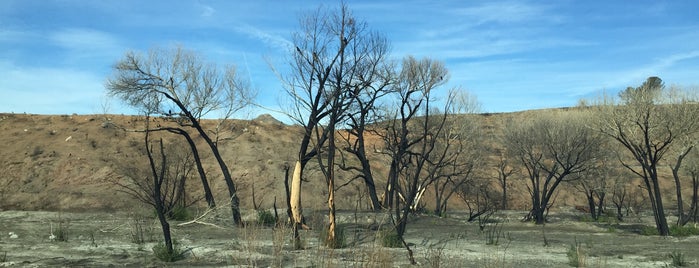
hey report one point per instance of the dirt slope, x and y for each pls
(64, 162)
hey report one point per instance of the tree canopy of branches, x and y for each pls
(551, 148)
(461, 148)
(648, 124)
(180, 85)
(334, 66)
(159, 182)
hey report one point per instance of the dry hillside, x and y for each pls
(64, 162)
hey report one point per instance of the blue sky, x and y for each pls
(512, 55)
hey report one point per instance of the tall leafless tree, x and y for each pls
(410, 137)
(159, 182)
(647, 125)
(551, 148)
(334, 63)
(179, 84)
(461, 143)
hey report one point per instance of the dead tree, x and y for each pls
(178, 79)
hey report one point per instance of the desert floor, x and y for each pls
(107, 239)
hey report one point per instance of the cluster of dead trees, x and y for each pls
(344, 87)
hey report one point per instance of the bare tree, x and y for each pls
(376, 76)
(160, 183)
(691, 169)
(480, 199)
(410, 138)
(551, 148)
(685, 103)
(647, 125)
(136, 179)
(462, 144)
(505, 171)
(595, 183)
(335, 63)
(180, 85)
(416, 81)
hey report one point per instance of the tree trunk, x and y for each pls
(330, 175)
(600, 204)
(391, 185)
(200, 169)
(288, 194)
(694, 209)
(661, 221)
(232, 191)
(591, 204)
(360, 152)
(370, 185)
(235, 201)
(504, 195)
(331, 239)
(295, 200)
(538, 215)
(681, 217)
(157, 195)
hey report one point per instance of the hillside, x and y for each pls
(65, 162)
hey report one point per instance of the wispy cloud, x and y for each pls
(206, 10)
(272, 40)
(504, 12)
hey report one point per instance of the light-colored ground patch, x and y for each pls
(105, 239)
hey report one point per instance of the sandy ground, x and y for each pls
(98, 239)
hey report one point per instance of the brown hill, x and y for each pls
(65, 162)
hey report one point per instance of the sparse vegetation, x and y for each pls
(161, 252)
(678, 259)
(179, 213)
(389, 238)
(493, 233)
(576, 255)
(340, 240)
(59, 230)
(139, 232)
(649, 230)
(682, 231)
(266, 218)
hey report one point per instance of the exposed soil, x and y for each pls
(106, 239)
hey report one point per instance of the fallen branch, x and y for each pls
(198, 220)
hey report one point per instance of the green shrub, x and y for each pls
(340, 240)
(264, 217)
(390, 239)
(160, 251)
(649, 230)
(678, 259)
(683, 231)
(60, 233)
(179, 213)
(586, 218)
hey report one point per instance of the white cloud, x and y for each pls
(504, 12)
(273, 40)
(206, 10)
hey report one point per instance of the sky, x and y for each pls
(55, 56)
